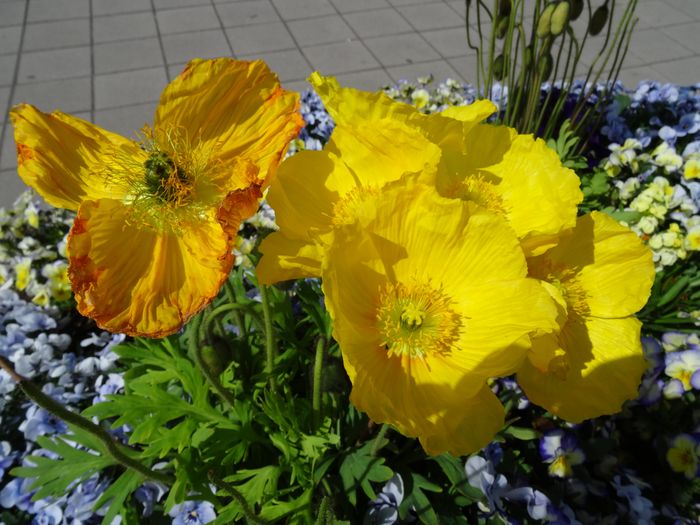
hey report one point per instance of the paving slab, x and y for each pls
(10, 37)
(112, 28)
(247, 12)
(340, 57)
(260, 38)
(69, 95)
(50, 10)
(54, 63)
(12, 13)
(57, 34)
(322, 30)
(182, 47)
(407, 48)
(430, 15)
(377, 22)
(186, 19)
(126, 55)
(129, 87)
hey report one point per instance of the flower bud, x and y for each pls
(545, 22)
(598, 20)
(545, 66)
(576, 9)
(502, 27)
(560, 17)
(499, 67)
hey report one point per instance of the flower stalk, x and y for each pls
(317, 385)
(113, 448)
(270, 347)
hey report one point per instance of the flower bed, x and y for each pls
(640, 465)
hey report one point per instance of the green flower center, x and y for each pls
(166, 181)
(416, 320)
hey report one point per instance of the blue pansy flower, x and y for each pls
(192, 513)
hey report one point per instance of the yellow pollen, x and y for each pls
(416, 320)
(175, 180)
(478, 189)
(348, 208)
(412, 316)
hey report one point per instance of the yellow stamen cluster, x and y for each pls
(346, 210)
(417, 320)
(480, 189)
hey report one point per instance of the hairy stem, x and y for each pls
(118, 452)
(196, 350)
(318, 369)
(270, 347)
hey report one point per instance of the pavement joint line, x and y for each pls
(4, 134)
(357, 36)
(160, 42)
(92, 63)
(222, 27)
(296, 43)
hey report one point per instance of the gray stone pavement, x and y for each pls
(108, 60)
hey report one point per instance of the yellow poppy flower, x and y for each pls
(517, 176)
(376, 140)
(151, 243)
(430, 298)
(600, 274)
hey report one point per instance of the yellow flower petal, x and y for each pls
(284, 259)
(235, 108)
(518, 177)
(316, 191)
(68, 160)
(381, 151)
(139, 281)
(348, 105)
(601, 369)
(459, 435)
(406, 295)
(605, 267)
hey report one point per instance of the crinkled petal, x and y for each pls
(346, 105)
(237, 108)
(285, 258)
(529, 186)
(68, 160)
(617, 270)
(602, 369)
(381, 151)
(466, 427)
(139, 281)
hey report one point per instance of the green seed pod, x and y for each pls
(598, 20)
(499, 67)
(502, 28)
(545, 66)
(560, 17)
(527, 59)
(576, 9)
(213, 360)
(545, 22)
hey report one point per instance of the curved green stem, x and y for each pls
(270, 347)
(220, 310)
(377, 443)
(318, 369)
(240, 499)
(231, 295)
(196, 350)
(118, 452)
